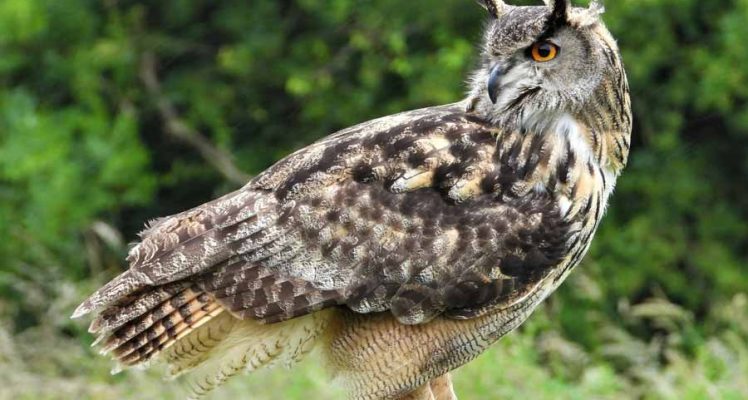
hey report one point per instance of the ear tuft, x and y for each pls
(583, 17)
(560, 8)
(495, 7)
(596, 8)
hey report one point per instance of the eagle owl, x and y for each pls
(400, 248)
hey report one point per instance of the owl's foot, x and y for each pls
(438, 389)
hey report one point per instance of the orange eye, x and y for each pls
(543, 51)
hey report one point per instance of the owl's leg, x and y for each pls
(442, 388)
(422, 393)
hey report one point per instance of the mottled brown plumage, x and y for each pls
(402, 247)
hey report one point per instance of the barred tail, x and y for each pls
(188, 330)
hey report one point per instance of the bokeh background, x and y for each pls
(114, 112)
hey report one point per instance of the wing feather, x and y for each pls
(421, 214)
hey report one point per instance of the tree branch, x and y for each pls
(176, 127)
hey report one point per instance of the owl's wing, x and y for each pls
(421, 214)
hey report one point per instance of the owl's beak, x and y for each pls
(494, 78)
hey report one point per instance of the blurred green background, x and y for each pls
(113, 112)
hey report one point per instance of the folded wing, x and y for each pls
(419, 214)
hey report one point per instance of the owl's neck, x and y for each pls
(608, 145)
(606, 135)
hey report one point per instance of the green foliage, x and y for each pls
(658, 310)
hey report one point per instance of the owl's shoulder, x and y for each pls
(393, 141)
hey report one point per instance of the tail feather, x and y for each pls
(153, 347)
(134, 336)
(145, 337)
(116, 316)
(192, 333)
(160, 318)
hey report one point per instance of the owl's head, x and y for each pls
(550, 60)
